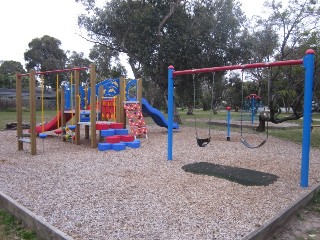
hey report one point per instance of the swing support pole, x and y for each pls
(308, 64)
(170, 111)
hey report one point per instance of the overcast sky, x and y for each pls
(23, 20)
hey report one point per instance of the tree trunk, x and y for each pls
(190, 110)
(214, 111)
(176, 115)
(177, 118)
(262, 123)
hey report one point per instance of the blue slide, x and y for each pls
(156, 115)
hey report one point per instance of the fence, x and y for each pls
(10, 103)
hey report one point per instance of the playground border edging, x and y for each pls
(43, 229)
(267, 230)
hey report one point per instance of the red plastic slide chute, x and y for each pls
(53, 123)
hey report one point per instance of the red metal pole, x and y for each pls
(57, 71)
(241, 67)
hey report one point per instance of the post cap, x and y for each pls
(171, 67)
(310, 51)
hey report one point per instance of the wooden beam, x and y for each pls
(19, 110)
(122, 97)
(93, 105)
(33, 109)
(139, 91)
(63, 117)
(77, 106)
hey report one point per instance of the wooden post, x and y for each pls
(86, 98)
(86, 127)
(63, 117)
(93, 105)
(139, 91)
(77, 106)
(122, 96)
(19, 110)
(86, 131)
(32, 86)
(100, 97)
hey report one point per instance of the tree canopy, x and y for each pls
(155, 34)
(8, 70)
(45, 54)
(195, 34)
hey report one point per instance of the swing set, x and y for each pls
(308, 64)
(203, 142)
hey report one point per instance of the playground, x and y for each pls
(166, 187)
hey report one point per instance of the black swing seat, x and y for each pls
(202, 142)
(250, 146)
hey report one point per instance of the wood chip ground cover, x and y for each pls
(138, 194)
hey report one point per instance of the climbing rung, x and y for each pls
(24, 139)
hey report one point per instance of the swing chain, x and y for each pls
(203, 142)
(194, 104)
(241, 118)
(211, 103)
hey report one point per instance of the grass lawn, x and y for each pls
(10, 228)
(293, 135)
(201, 117)
(6, 117)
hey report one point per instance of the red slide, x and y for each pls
(53, 123)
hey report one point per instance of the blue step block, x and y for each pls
(104, 146)
(121, 131)
(134, 144)
(107, 133)
(119, 146)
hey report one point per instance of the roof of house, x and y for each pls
(11, 93)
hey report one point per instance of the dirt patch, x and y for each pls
(304, 225)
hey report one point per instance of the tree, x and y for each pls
(45, 54)
(291, 24)
(155, 34)
(78, 60)
(104, 57)
(8, 70)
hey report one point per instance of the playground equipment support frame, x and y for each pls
(32, 95)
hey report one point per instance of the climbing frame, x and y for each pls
(135, 118)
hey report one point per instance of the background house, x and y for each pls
(8, 99)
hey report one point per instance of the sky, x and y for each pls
(23, 20)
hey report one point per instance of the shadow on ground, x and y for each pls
(242, 176)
